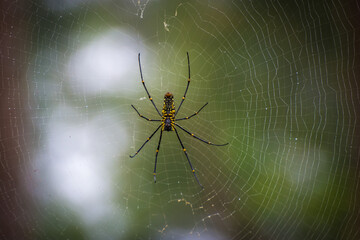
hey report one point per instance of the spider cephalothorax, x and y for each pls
(168, 121)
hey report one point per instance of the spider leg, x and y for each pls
(152, 120)
(157, 152)
(142, 80)
(187, 86)
(191, 134)
(148, 139)
(184, 149)
(196, 113)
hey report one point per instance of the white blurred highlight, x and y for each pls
(77, 166)
(303, 167)
(106, 64)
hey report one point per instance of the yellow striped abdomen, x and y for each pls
(168, 112)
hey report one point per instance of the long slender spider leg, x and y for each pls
(142, 80)
(152, 120)
(191, 134)
(196, 113)
(148, 139)
(157, 152)
(187, 86)
(184, 149)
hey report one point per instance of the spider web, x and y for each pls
(280, 78)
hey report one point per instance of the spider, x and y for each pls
(168, 121)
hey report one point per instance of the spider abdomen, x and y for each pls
(168, 112)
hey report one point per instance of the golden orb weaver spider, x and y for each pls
(168, 121)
